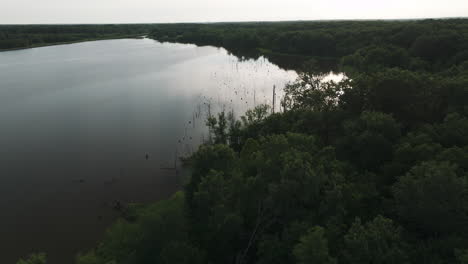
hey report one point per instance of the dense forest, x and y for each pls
(372, 169)
(415, 45)
(28, 36)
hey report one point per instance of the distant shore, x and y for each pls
(74, 42)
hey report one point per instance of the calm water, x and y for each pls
(77, 122)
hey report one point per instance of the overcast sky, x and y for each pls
(148, 11)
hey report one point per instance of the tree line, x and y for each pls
(27, 36)
(416, 44)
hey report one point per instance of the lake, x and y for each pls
(89, 124)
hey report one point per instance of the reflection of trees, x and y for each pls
(286, 61)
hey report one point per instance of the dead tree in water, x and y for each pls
(255, 104)
(210, 139)
(274, 99)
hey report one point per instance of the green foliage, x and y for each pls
(236, 204)
(369, 140)
(256, 115)
(309, 91)
(181, 252)
(218, 127)
(432, 198)
(462, 256)
(375, 58)
(227, 130)
(411, 97)
(378, 241)
(91, 258)
(313, 248)
(158, 232)
(453, 131)
(34, 259)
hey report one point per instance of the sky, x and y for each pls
(156, 11)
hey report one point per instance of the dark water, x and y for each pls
(76, 123)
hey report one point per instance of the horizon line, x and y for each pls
(246, 21)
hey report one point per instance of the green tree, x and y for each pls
(432, 198)
(313, 248)
(462, 256)
(256, 115)
(218, 127)
(34, 259)
(369, 140)
(310, 91)
(377, 242)
(158, 230)
(181, 253)
(453, 131)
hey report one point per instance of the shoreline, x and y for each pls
(139, 36)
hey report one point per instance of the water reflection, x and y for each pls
(286, 61)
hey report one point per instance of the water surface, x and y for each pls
(77, 122)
